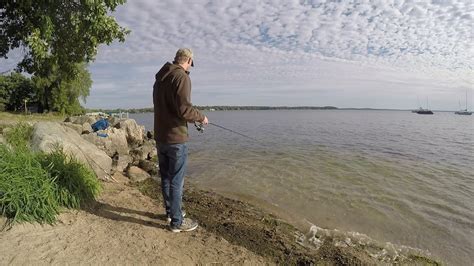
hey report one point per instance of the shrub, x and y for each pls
(27, 192)
(33, 186)
(76, 183)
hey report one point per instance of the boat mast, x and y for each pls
(466, 100)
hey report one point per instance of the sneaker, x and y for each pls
(186, 226)
(168, 218)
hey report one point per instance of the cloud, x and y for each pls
(248, 47)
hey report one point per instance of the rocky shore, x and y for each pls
(126, 224)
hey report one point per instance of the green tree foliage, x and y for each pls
(58, 35)
(14, 90)
(64, 96)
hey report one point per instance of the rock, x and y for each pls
(48, 135)
(136, 174)
(86, 128)
(114, 142)
(149, 135)
(80, 120)
(121, 162)
(75, 127)
(133, 131)
(149, 166)
(113, 121)
(144, 152)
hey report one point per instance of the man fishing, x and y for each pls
(173, 110)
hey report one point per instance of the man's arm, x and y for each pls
(185, 107)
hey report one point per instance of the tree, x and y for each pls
(65, 95)
(15, 89)
(58, 35)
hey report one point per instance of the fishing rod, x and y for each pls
(200, 128)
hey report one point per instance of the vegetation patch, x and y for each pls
(19, 136)
(76, 184)
(27, 191)
(34, 186)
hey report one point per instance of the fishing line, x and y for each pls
(200, 128)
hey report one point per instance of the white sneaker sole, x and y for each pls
(177, 230)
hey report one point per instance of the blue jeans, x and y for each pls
(172, 160)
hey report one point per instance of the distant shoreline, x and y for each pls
(253, 108)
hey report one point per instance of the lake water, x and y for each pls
(395, 176)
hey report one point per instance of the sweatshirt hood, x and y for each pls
(166, 70)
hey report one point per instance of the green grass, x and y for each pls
(27, 192)
(19, 136)
(20, 117)
(34, 186)
(76, 183)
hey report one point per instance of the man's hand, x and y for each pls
(205, 121)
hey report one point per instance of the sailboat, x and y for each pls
(465, 111)
(422, 111)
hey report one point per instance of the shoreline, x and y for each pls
(268, 235)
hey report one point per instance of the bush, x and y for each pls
(33, 186)
(76, 183)
(27, 192)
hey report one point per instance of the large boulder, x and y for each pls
(136, 174)
(49, 135)
(114, 142)
(133, 131)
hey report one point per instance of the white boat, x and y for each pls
(465, 111)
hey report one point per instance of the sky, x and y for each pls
(378, 54)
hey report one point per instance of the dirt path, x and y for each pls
(124, 227)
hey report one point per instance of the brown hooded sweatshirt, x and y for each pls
(172, 104)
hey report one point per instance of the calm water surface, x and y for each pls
(396, 176)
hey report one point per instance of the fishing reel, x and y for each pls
(199, 127)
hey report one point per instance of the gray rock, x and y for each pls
(113, 121)
(114, 142)
(149, 135)
(86, 128)
(143, 152)
(149, 166)
(80, 120)
(49, 135)
(75, 127)
(121, 162)
(136, 174)
(133, 131)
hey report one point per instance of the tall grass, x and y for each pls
(34, 186)
(19, 136)
(27, 191)
(76, 183)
